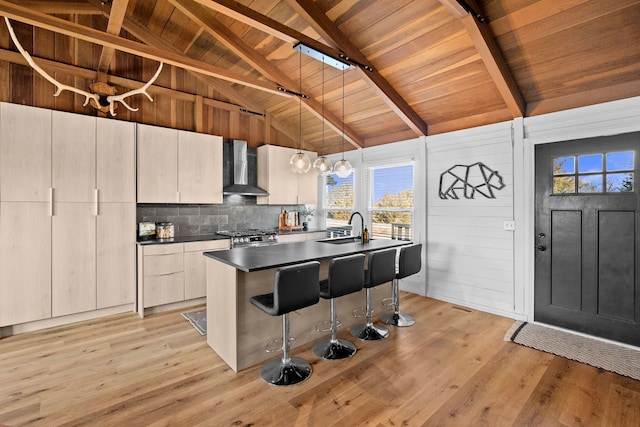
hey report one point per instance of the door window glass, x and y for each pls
(596, 173)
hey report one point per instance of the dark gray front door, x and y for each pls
(587, 236)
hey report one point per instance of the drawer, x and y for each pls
(163, 249)
(163, 289)
(163, 264)
(208, 245)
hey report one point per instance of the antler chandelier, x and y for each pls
(103, 98)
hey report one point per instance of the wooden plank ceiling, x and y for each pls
(420, 67)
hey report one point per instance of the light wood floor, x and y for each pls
(451, 368)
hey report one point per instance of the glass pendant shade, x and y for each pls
(342, 168)
(300, 163)
(322, 165)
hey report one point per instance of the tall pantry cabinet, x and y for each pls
(67, 213)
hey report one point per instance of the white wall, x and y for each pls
(469, 253)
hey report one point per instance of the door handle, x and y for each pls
(541, 248)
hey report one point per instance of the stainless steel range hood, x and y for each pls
(240, 184)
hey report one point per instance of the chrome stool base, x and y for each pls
(278, 372)
(397, 319)
(334, 350)
(369, 332)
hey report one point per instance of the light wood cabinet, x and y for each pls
(178, 166)
(199, 168)
(55, 166)
(173, 272)
(116, 254)
(116, 161)
(25, 262)
(25, 153)
(73, 258)
(301, 237)
(195, 273)
(157, 164)
(284, 186)
(73, 157)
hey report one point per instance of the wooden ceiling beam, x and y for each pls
(143, 33)
(71, 29)
(61, 7)
(117, 12)
(205, 19)
(491, 55)
(310, 11)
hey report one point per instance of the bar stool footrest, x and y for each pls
(320, 328)
(270, 347)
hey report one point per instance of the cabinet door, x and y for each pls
(73, 158)
(116, 254)
(275, 175)
(25, 262)
(199, 168)
(195, 268)
(308, 184)
(73, 258)
(116, 161)
(157, 164)
(25, 153)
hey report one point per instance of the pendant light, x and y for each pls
(322, 165)
(300, 162)
(342, 168)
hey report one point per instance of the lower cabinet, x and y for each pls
(25, 262)
(173, 272)
(301, 237)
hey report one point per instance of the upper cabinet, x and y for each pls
(116, 160)
(178, 166)
(199, 168)
(284, 186)
(25, 153)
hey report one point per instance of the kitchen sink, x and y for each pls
(342, 240)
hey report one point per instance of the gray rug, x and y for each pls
(610, 357)
(198, 318)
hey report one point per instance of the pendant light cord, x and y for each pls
(343, 114)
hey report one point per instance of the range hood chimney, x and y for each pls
(240, 184)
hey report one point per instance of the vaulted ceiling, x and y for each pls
(418, 67)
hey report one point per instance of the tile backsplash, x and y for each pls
(236, 213)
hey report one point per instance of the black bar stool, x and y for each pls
(410, 263)
(346, 276)
(295, 287)
(381, 269)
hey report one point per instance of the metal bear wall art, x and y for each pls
(468, 181)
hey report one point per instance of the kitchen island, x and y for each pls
(238, 332)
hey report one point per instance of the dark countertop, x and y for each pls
(265, 257)
(183, 239)
(204, 237)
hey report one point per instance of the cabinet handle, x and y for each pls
(164, 274)
(51, 201)
(95, 202)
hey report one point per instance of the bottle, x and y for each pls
(365, 235)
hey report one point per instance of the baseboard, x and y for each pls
(175, 306)
(64, 320)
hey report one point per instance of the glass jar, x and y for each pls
(164, 230)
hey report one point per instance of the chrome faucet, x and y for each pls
(361, 225)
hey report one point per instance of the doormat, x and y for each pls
(608, 356)
(198, 318)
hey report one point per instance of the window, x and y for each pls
(595, 173)
(338, 203)
(390, 200)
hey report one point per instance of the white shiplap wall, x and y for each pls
(469, 253)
